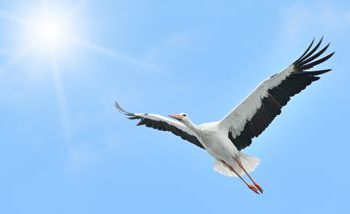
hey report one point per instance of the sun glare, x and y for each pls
(49, 33)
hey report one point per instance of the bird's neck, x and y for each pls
(192, 126)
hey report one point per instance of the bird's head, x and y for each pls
(182, 117)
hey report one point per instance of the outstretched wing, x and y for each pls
(163, 124)
(251, 117)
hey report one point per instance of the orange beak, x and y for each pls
(176, 116)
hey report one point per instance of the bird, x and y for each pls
(225, 139)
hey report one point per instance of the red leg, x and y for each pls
(255, 184)
(251, 187)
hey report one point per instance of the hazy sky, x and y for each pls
(65, 149)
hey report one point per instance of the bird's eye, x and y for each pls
(184, 115)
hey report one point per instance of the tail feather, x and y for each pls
(223, 169)
(249, 163)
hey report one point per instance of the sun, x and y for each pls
(49, 33)
(53, 32)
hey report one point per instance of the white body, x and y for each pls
(213, 136)
(216, 142)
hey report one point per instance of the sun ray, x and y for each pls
(50, 31)
(58, 87)
(110, 53)
(73, 11)
(16, 58)
(61, 100)
(14, 18)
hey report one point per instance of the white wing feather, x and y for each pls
(236, 119)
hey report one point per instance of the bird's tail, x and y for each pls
(249, 163)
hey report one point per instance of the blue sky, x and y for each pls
(64, 148)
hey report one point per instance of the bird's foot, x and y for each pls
(259, 188)
(253, 188)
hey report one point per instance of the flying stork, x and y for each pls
(224, 139)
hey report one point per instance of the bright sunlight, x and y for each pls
(49, 33)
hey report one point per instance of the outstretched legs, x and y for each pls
(245, 171)
(254, 188)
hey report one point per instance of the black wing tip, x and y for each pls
(309, 51)
(331, 54)
(121, 110)
(306, 51)
(116, 104)
(319, 72)
(118, 107)
(310, 57)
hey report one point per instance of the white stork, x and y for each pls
(224, 139)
